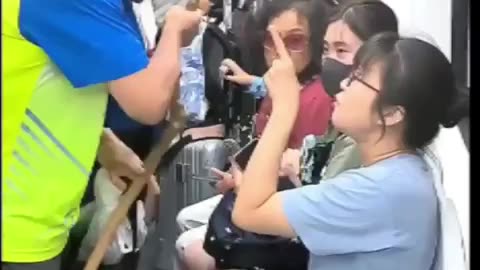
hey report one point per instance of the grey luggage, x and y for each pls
(184, 181)
(191, 170)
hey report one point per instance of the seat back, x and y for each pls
(450, 253)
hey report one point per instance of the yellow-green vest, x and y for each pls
(51, 133)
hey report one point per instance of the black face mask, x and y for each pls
(333, 72)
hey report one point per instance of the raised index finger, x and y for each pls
(278, 42)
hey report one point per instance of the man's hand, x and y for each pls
(203, 5)
(117, 158)
(184, 22)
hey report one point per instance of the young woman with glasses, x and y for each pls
(383, 215)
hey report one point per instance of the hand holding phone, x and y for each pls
(225, 182)
(243, 155)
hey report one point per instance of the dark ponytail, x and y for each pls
(459, 108)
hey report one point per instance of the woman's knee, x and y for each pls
(194, 257)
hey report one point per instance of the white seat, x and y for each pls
(451, 250)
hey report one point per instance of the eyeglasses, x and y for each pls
(293, 42)
(352, 77)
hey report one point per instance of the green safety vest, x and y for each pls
(51, 133)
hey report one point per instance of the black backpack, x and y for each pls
(234, 248)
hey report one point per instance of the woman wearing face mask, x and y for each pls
(351, 25)
(383, 215)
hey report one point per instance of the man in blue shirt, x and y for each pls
(99, 41)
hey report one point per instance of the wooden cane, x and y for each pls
(175, 126)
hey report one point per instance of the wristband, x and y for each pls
(258, 88)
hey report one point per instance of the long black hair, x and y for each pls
(257, 24)
(417, 77)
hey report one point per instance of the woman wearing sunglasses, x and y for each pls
(301, 24)
(383, 215)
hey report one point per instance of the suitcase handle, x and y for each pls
(211, 181)
(205, 179)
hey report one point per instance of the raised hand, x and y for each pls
(184, 21)
(281, 79)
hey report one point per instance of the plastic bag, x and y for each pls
(192, 81)
(106, 199)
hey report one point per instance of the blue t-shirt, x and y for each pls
(380, 217)
(91, 41)
(118, 120)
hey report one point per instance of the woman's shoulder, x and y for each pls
(314, 99)
(398, 170)
(343, 141)
(314, 87)
(399, 165)
(404, 177)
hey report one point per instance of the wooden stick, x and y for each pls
(175, 126)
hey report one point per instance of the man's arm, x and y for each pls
(145, 95)
(155, 85)
(94, 42)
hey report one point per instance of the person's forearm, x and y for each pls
(105, 143)
(166, 57)
(146, 95)
(164, 69)
(261, 175)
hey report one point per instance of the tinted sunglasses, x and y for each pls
(295, 42)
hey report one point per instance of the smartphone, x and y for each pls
(243, 155)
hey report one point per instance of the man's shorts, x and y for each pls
(52, 264)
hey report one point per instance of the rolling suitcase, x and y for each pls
(184, 180)
(191, 170)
